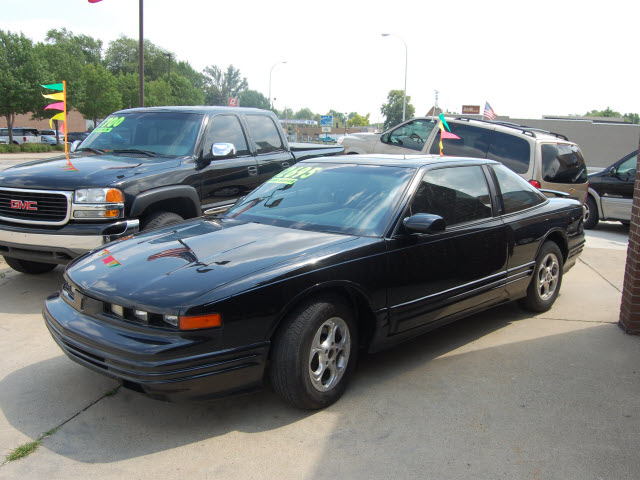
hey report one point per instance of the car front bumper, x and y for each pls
(166, 365)
(61, 245)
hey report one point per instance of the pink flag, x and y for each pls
(445, 134)
(55, 106)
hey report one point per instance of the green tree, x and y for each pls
(157, 93)
(129, 87)
(632, 118)
(219, 86)
(392, 110)
(85, 48)
(99, 92)
(184, 93)
(304, 114)
(607, 112)
(253, 99)
(356, 120)
(21, 72)
(338, 118)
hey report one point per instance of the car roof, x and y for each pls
(201, 109)
(407, 161)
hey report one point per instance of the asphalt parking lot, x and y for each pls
(503, 394)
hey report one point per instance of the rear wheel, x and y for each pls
(591, 216)
(159, 220)
(547, 278)
(27, 266)
(314, 354)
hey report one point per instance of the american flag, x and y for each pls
(488, 112)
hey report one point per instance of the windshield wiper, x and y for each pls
(135, 150)
(89, 149)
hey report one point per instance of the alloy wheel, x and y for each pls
(329, 354)
(548, 276)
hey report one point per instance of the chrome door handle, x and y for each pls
(285, 164)
(253, 170)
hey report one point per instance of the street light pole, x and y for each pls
(141, 60)
(406, 60)
(168, 55)
(270, 72)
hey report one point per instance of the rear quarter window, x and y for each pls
(511, 151)
(517, 194)
(472, 142)
(563, 163)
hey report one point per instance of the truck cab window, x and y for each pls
(227, 129)
(265, 134)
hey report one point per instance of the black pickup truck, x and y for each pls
(140, 169)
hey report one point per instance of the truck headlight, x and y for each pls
(93, 203)
(98, 195)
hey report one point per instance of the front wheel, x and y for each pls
(27, 266)
(314, 353)
(547, 278)
(160, 219)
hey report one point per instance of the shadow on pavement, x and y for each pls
(25, 294)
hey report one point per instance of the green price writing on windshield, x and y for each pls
(109, 124)
(292, 175)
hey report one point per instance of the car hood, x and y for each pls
(170, 268)
(82, 171)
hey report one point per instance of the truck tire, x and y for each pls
(591, 216)
(27, 266)
(160, 219)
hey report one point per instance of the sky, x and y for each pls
(527, 59)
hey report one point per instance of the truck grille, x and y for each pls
(34, 206)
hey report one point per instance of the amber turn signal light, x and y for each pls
(114, 196)
(201, 321)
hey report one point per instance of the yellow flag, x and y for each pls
(58, 116)
(55, 96)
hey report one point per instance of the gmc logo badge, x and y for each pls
(26, 205)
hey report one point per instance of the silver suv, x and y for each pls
(547, 160)
(20, 135)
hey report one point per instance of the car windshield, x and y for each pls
(147, 133)
(325, 197)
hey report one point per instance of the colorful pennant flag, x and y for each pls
(60, 104)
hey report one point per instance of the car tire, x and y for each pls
(591, 216)
(547, 279)
(159, 220)
(27, 266)
(319, 331)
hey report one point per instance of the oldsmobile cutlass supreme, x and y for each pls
(327, 258)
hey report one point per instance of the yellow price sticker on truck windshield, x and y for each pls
(293, 174)
(109, 124)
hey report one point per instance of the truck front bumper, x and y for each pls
(63, 244)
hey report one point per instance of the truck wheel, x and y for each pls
(591, 216)
(27, 266)
(314, 353)
(547, 278)
(160, 219)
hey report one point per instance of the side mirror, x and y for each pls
(75, 145)
(221, 150)
(424, 223)
(385, 138)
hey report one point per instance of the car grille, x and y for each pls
(34, 206)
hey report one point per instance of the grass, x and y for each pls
(23, 450)
(111, 392)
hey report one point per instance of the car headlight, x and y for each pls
(98, 195)
(92, 203)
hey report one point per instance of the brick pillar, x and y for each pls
(630, 306)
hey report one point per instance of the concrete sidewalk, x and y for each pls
(502, 394)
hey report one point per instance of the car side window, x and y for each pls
(227, 129)
(471, 142)
(265, 134)
(457, 194)
(628, 167)
(412, 135)
(511, 151)
(517, 193)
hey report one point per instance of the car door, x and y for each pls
(616, 189)
(222, 181)
(271, 155)
(408, 138)
(434, 276)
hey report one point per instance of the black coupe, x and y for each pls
(329, 257)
